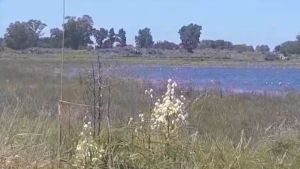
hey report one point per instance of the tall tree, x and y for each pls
(36, 26)
(21, 35)
(144, 38)
(111, 35)
(190, 36)
(122, 37)
(100, 35)
(56, 36)
(111, 38)
(78, 31)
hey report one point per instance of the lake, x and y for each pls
(232, 79)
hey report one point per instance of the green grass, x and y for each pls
(244, 131)
(203, 58)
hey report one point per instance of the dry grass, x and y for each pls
(235, 131)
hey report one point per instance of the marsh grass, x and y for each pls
(238, 131)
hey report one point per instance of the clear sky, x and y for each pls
(240, 21)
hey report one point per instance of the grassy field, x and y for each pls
(233, 131)
(203, 58)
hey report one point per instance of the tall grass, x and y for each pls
(239, 131)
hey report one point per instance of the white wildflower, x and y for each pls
(174, 84)
(85, 126)
(130, 120)
(169, 111)
(142, 117)
(87, 154)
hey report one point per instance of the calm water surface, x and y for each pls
(235, 79)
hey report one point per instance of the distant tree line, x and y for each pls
(78, 32)
(289, 47)
(226, 45)
(1, 44)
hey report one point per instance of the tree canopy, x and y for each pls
(56, 36)
(122, 36)
(298, 37)
(262, 48)
(78, 31)
(144, 38)
(289, 47)
(190, 36)
(22, 35)
(100, 35)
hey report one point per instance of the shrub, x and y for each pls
(218, 44)
(243, 48)
(262, 48)
(166, 45)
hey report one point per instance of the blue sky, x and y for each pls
(240, 21)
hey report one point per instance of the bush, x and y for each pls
(271, 57)
(218, 44)
(166, 45)
(243, 48)
(262, 48)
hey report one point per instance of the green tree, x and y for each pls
(277, 48)
(78, 31)
(298, 37)
(215, 44)
(56, 36)
(144, 38)
(37, 27)
(111, 38)
(262, 48)
(190, 36)
(111, 34)
(122, 37)
(1, 44)
(22, 35)
(289, 47)
(44, 42)
(100, 35)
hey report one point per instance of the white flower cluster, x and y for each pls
(169, 112)
(149, 93)
(88, 154)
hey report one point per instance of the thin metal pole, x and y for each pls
(62, 52)
(61, 84)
